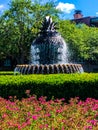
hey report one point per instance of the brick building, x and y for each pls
(90, 21)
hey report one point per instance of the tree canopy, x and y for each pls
(81, 40)
(19, 26)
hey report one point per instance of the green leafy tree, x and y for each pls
(81, 40)
(89, 49)
(41, 10)
(73, 37)
(19, 26)
(16, 27)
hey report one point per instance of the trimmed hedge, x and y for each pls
(6, 73)
(57, 85)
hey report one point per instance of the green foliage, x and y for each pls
(74, 38)
(81, 39)
(6, 73)
(90, 47)
(19, 25)
(16, 34)
(61, 85)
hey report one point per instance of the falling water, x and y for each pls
(49, 53)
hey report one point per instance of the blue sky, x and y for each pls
(88, 7)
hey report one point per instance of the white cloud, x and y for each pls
(96, 13)
(1, 7)
(65, 7)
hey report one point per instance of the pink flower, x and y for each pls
(38, 109)
(80, 103)
(95, 107)
(24, 124)
(93, 122)
(28, 122)
(46, 125)
(62, 99)
(59, 111)
(4, 115)
(63, 128)
(41, 126)
(10, 97)
(34, 117)
(29, 114)
(88, 128)
(47, 115)
(19, 127)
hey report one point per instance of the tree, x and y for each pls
(90, 48)
(73, 37)
(41, 10)
(16, 30)
(81, 40)
(19, 26)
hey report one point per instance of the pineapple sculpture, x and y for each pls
(49, 47)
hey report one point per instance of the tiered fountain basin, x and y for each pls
(49, 69)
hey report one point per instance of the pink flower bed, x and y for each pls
(39, 114)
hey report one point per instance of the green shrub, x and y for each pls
(6, 73)
(57, 85)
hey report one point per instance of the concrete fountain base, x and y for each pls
(49, 69)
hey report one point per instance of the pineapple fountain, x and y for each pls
(49, 53)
